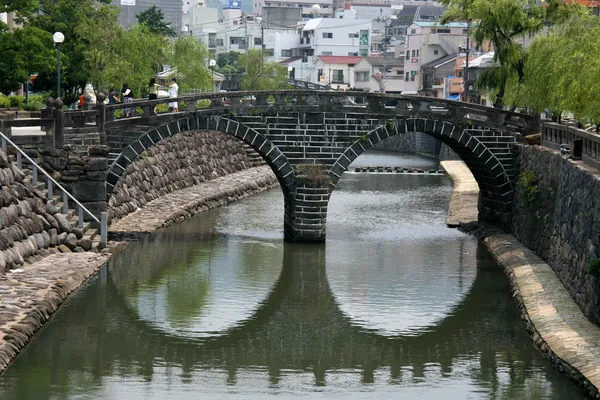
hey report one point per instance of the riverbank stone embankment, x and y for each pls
(559, 329)
(29, 296)
(185, 203)
(465, 195)
(178, 162)
(557, 325)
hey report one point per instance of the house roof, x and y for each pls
(411, 13)
(339, 59)
(585, 3)
(484, 61)
(440, 61)
(290, 60)
(315, 23)
(391, 62)
(425, 24)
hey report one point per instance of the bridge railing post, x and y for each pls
(101, 121)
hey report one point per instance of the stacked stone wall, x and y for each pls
(29, 227)
(178, 162)
(556, 214)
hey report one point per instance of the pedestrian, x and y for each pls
(127, 97)
(113, 98)
(153, 91)
(173, 90)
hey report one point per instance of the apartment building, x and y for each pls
(325, 9)
(172, 9)
(426, 42)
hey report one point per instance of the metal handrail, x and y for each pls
(51, 183)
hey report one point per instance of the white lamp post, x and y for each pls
(212, 64)
(58, 38)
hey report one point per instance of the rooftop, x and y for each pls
(339, 59)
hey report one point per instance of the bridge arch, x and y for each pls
(496, 187)
(270, 153)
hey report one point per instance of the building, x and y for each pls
(325, 9)
(437, 75)
(281, 17)
(172, 10)
(8, 19)
(426, 42)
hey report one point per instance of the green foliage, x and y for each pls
(138, 55)
(261, 74)
(228, 63)
(594, 267)
(503, 23)
(528, 183)
(562, 70)
(33, 106)
(154, 19)
(4, 101)
(24, 51)
(16, 101)
(190, 58)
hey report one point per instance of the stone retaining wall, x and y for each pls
(29, 228)
(178, 162)
(556, 214)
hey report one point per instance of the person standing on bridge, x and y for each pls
(153, 91)
(127, 97)
(173, 90)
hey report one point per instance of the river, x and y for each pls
(393, 305)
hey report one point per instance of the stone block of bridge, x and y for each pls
(306, 207)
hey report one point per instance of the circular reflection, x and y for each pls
(405, 270)
(203, 289)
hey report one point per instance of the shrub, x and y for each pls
(528, 183)
(16, 101)
(40, 97)
(4, 101)
(594, 267)
(33, 106)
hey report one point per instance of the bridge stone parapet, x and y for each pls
(309, 138)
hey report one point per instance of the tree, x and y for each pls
(503, 23)
(24, 52)
(154, 19)
(138, 55)
(261, 74)
(101, 42)
(189, 56)
(65, 16)
(562, 70)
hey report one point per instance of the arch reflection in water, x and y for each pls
(297, 338)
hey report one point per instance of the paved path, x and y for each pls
(31, 295)
(463, 203)
(186, 202)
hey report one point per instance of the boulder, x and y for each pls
(71, 241)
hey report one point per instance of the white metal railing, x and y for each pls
(51, 184)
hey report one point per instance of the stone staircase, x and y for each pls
(253, 157)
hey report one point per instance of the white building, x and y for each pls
(426, 42)
(325, 7)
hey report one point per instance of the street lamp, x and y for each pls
(58, 38)
(290, 69)
(212, 64)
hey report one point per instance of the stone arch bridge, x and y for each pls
(309, 138)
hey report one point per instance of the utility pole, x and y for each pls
(384, 44)
(466, 71)
(262, 38)
(245, 18)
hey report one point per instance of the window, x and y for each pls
(337, 76)
(351, 54)
(412, 78)
(327, 35)
(364, 52)
(326, 53)
(417, 52)
(408, 55)
(235, 22)
(406, 77)
(435, 52)
(236, 40)
(361, 76)
(219, 42)
(440, 30)
(286, 53)
(413, 31)
(465, 31)
(353, 35)
(413, 53)
(398, 72)
(257, 41)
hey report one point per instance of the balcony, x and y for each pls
(305, 41)
(438, 83)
